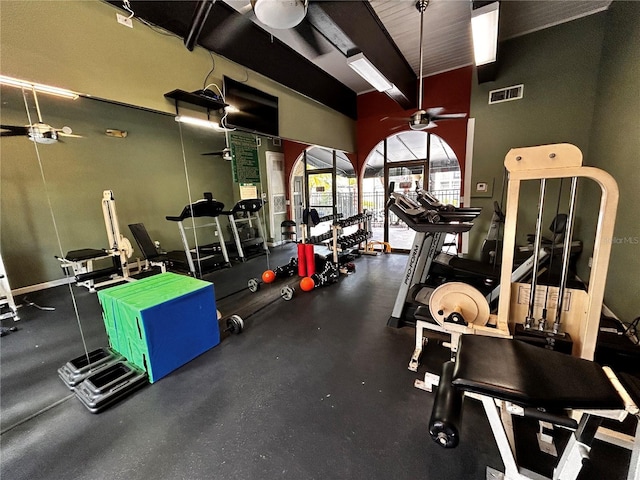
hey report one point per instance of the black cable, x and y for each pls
(213, 67)
(632, 330)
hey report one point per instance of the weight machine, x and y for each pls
(81, 262)
(515, 377)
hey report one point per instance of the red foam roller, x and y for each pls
(302, 262)
(310, 258)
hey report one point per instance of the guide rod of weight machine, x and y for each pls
(536, 254)
(566, 253)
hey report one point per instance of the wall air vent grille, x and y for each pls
(506, 94)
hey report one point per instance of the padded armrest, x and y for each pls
(531, 376)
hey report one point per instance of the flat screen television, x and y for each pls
(257, 112)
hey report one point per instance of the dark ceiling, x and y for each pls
(351, 27)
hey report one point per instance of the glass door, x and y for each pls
(403, 177)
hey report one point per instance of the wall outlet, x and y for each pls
(126, 21)
(590, 262)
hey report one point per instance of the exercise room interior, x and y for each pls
(319, 240)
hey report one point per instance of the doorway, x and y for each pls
(330, 186)
(408, 160)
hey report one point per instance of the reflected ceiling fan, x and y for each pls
(424, 119)
(38, 132)
(225, 153)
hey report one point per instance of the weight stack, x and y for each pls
(558, 343)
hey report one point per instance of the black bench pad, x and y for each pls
(531, 376)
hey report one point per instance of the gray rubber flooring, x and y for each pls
(315, 388)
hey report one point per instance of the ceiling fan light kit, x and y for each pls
(423, 119)
(280, 14)
(363, 67)
(484, 27)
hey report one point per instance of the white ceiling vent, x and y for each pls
(506, 94)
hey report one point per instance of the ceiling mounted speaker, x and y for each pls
(280, 13)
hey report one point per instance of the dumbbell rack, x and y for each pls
(319, 239)
(341, 243)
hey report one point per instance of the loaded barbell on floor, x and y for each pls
(235, 325)
(287, 292)
(254, 285)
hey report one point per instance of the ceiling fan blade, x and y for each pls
(449, 116)
(395, 119)
(234, 26)
(308, 34)
(14, 130)
(434, 111)
(69, 135)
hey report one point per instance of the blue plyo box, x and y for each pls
(162, 322)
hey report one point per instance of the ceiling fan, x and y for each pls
(302, 17)
(424, 119)
(38, 132)
(225, 153)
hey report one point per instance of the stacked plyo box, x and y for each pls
(161, 322)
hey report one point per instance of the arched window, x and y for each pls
(407, 159)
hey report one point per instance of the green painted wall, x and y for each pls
(615, 147)
(559, 69)
(145, 170)
(581, 87)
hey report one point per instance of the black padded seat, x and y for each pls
(632, 385)
(84, 254)
(531, 376)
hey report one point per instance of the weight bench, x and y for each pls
(80, 264)
(515, 378)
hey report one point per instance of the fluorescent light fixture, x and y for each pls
(280, 13)
(38, 87)
(369, 72)
(484, 25)
(199, 122)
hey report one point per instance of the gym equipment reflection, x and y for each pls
(144, 193)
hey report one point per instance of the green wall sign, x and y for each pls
(244, 159)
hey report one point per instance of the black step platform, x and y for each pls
(110, 385)
(78, 369)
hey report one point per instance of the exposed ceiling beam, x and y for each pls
(361, 24)
(235, 37)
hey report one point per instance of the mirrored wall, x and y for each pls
(51, 203)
